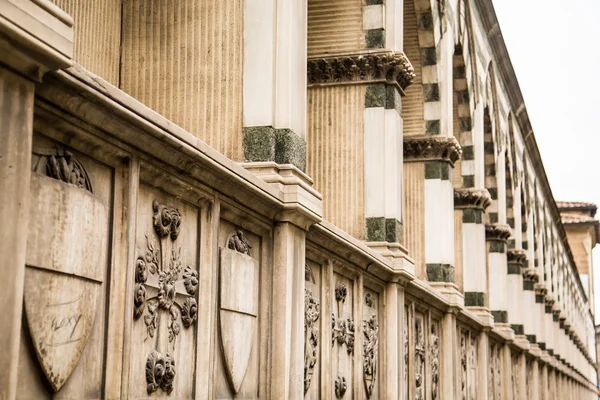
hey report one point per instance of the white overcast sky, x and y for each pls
(553, 46)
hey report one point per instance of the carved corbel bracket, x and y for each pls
(497, 232)
(432, 148)
(389, 68)
(472, 198)
(540, 289)
(532, 274)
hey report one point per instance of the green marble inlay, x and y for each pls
(497, 246)
(468, 181)
(468, 153)
(428, 56)
(500, 316)
(531, 338)
(290, 148)
(259, 143)
(432, 127)
(375, 38)
(493, 217)
(264, 143)
(474, 299)
(437, 170)
(472, 216)
(514, 269)
(393, 230)
(518, 328)
(440, 273)
(431, 92)
(375, 229)
(425, 21)
(539, 298)
(527, 284)
(375, 96)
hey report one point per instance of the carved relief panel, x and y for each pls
(165, 296)
(370, 344)
(467, 361)
(420, 349)
(238, 327)
(494, 373)
(66, 274)
(343, 331)
(434, 360)
(405, 338)
(312, 330)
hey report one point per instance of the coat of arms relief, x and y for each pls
(66, 260)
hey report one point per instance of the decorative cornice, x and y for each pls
(391, 68)
(516, 256)
(472, 198)
(431, 148)
(497, 232)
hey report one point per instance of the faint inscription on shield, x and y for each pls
(238, 307)
(66, 258)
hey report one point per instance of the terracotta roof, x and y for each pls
(574, 204)
(568, 218)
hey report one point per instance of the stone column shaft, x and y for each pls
(483, 365)
(448, 372)
(287, 330)
(16, 120)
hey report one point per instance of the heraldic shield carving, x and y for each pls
(66, 255)
(238, 306)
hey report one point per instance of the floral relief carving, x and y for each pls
(342, 330)
(61, 165)
(238, 242)
(405, 335)
(463, 365)
(173, 289)
(434, 344)
(472, 367)
(340, 387)
(311, 336)
(419, 359)
(370, 353)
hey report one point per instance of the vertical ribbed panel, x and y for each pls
(414, 214)
(184, 59)
(458, 249)
(335, 26)
(97, 30)
(335, 153)
(412, 103)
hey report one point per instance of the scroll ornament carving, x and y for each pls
(62, 165)
(405, 334)
(370, 353)
(491, 374)
(340, 387)
(342, 330)
(435, 362)
(472, 198)
(239, 243)
(431, 148)
(472, 364)
(498, 374)
(391, 68)
(463, 365)
(311, 336)
(497, 232)
(162, 274)
(419, 359)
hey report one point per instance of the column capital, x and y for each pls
(35, 37)
(499, 232)
(432, 148)
(389, 68)
(472, 198)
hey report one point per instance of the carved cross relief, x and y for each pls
(164, 295)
